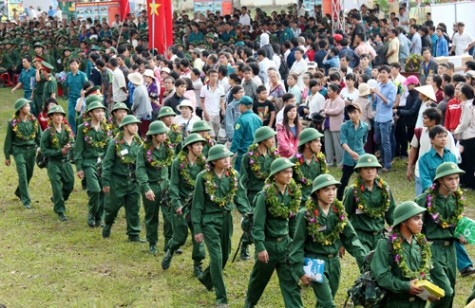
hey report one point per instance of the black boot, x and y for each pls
(153, 248)
(244, 252)
(197, 270)
(106, 231)
(167, 259)
(91, 221)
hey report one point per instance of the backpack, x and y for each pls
(284, 68)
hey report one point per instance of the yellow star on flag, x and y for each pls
(154, 8)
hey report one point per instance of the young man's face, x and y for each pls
(284, 177)
(213, 77)
(383, 76)
(354, 115)
(440, 141)
(426, 122)
(364, 61)
(247, 75)
(450, 182)
(262, 95)
(327, 194)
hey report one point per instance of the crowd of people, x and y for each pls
(253, 115)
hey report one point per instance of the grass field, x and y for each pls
(46, 263)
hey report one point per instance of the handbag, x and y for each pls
(41, 160)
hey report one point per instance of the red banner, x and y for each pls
(124, 9)
(160, 24)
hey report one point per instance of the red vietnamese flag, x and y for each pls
(124, 9)
(160, 24)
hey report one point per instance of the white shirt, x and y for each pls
(279, 117)
(198, 64)
(225, 84)
(116, 24)
(461, 42)
(186, 123)
(245, 20)
(299, 67)
(118, 82)
(212, 99)
(197, 86)
(264, 65)
(316, 102)
(346, 95)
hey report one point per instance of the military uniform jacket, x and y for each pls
(89, 148)
(146, 173)
(249, 180)
(180, 191)
(445, 207)
(30, 136)
(310, 171)
(53, 141)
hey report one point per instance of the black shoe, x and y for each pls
(91, 221)
(62, 217)
(17, 193)
(84, 184)
(136, 239)
(468, 271)
(178, 251)
(208, 287)
(51, 198)
(197, 270)
(153, 248)
(106, 231)
(99, 223)
(244, 253)
(167, 260)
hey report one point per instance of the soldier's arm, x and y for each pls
(107, 164)
(296, 256)
(79, 149)
(141, 171)
(197, 208)
(258, 228)
(8, 146)
(351, 243)
(175, 185)
(45, 146)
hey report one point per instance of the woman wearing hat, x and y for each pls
(216, 194)
(55, 145)
(185, 167)
(141, 106)
(322, 229)
(152, 90)
(444, 202)
(427, 96)
(367, 114)
(119, 180)
(186, 118)
(369, 202)
(202, 128)
(410, 258)
(153, 161)
(92, 140)
(22, 139)
(275, 205)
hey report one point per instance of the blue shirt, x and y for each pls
(230, 118)
(384, 111)
(429, 162)
(244, 130)
(75, 84)
(27, 78)
(442, 49)
(355, 138)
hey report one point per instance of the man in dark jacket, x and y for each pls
(408, 113)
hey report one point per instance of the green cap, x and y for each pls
(92, 89)
(93, 98)
(38, 44)
(20, 103)
(112, 50)
(447, 168)
(129, 119)
(246, 101)
(367, 161)
(56, 109)
(406, 210)
(322, 181)
(263, 133)
(95, 105)
(193, 138)
(118, 106)
(200, 126)
(280, 164)
(157, 127)
(309, 134)
(165, 112)
(217, 152)
(47, 65)
(210, 35)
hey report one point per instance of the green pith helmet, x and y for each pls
(193, 138)
(20, 103)
(95, 105)
(118, 106)
(406, 210)
(446, 169)
(165, 112)
(280, 164)
(322, 181)
(157, 127)
(200, 126)
(263, 133)
(56, 109)
(367, 161)
(246, 101)
(93, 98)
(129, 119)
(309, 134)
(217, 152)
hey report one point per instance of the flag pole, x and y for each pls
(153, 25)
(165, 29)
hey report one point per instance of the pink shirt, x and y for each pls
(287, 142)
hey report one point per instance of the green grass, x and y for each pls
(45, 263)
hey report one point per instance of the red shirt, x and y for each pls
(439, 96)
(452, 114)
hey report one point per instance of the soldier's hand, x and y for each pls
(199, 238)
(263, 256)
(106, 189)
(150, 195)
(341, 252)
(179, 211)
(8, 162)
(80, 174)
(413, 289)
(306, 280)
(433, 298)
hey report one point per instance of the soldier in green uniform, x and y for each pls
(275, 204)
(202, 127)
(119, 111)
(93, 137)
(154, 159)
(215, 196)
(50, 87)
(255, 169)
(369, 202)
(175, 135)
(39, 86)
(22, 139)
(409, 260)
(55, 145)
(445, 204)
(118, 179)
(322, 229)
(186, 166)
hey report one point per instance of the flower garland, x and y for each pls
(156, 163)
(436, 217)
(358, 189)
(106, 128)
(314, 228)
(54, 137)
(211, 187)
(176, 130)
(15, 127)
(398, 254)
(254, 154)
(119, 142)
(209, 141)
(320, 158)
(184, 172)
(281, 209)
